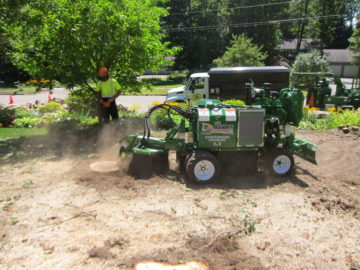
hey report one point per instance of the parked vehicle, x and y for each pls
(229, 83)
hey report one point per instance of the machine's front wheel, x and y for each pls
(202, 167)
(279, 162)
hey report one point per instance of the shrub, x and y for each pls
(66, 120)
(237, 102)
(28, 122)
(166, 119)
(7, 116)
(312, 61)
(22, 112)
(50, 107)
(162, 120)
(332, 120)
(82, 101)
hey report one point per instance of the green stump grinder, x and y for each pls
(214, 139)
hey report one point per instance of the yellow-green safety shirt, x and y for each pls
(108, 88)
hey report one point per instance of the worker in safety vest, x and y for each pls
(107, 90)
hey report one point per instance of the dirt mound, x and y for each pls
(333, 204)
(338, 155)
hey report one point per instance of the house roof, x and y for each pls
(261, 69)
(338, 55)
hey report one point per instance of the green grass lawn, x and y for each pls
(20, 90)
(159, 89)
(15, 133)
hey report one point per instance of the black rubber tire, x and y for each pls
(285, 159)
(194, 159)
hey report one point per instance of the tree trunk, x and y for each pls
(302, 28)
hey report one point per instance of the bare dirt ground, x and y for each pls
(58, 214)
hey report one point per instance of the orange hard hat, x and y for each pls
(103, 70)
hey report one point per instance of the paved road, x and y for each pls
(128, 101)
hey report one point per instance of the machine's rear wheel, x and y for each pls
(279, 162)
(202, 167)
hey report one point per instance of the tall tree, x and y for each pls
(188, 23)
(68, 40)
(255, 21)
(204, 28)
(241, 52)
(330, 17)
(299, 9)
(9, 12)
(355, 43)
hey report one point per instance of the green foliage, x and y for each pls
(82, 101)
(237, 102)
(355, 43)
(68, 40)
(57, 117)
(199, 47)
(28, 122)
(312, 61)
(164, 119)
(6, 116)
(71, 121)
(179, 75)
(249, 224)
(22, 112)
(227, 194)
(7, 206)
(241, 52)
(327, 21)
(28, 184)
(333, 120)
(209, 28)
(50, 107)
(328, 27)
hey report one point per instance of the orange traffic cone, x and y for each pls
(312, 100)
(11, 101)
(49, 98)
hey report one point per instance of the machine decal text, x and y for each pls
(217, 138)
(217, 128)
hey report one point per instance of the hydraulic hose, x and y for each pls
(168, 107)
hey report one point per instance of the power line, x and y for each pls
(234, 8)
(210, 27)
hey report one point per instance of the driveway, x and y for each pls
(142, 102)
